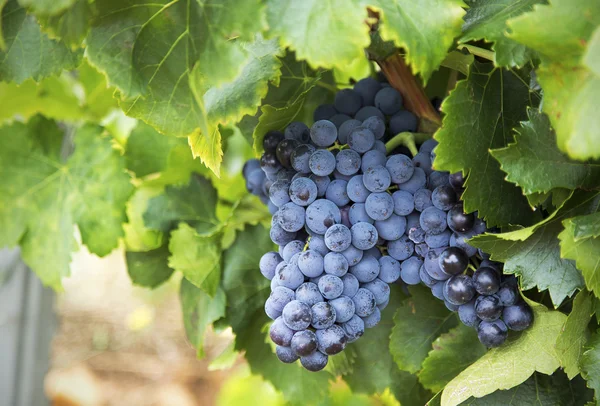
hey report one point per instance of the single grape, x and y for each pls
(285, 354)
(456, 180)
(410, 270)
(281, 296)
(508, 295)
(486, 280)
(322, 183)
(428, 145)
(339, 119)
(432, 264)
(336, 192)
(291, 248)
(279, 192)
(289, 276)
(322, 162)
(317, 243)
(437, 179)
(368, 111)
(422, 160)
(458, 221)
(255, 180)
(314, 362)
(348, 101)
(303, 343)
(280, 333)
(488, 308)
(366, 270)
(338, 238)
(322, 214)
(364, 235)
(376, 125)
(404, 202)
(309, 294)
(356, 190)
(403, 121)
(459, 240)
(324, 112)
(310, 263)
(518, 317)
(268, 264)
(372, 158)
(373, 319)
(291, 217)
(379, 289)
(249, 166)
(364, 302)
(444, 197)
(344, 308)
(379, 146)
(379, 206)
(323, 133)
(392, 228)
(335, 264)
(284, 152)
(374, 252)
(437, 290)
(353, 255)
(416, 234)
(401, 248)
(331, 340)
(421, 249)
(400, 167)
(269, 162)
(361, 139)
(298, 131)
(323, 315)
(271, 140)
(438, 240)
(453, 261)
(492, 334)
(422, 199)
(388, 100)
(303, 191)
(367, 88)
(351, 285)
(459, 289)
(466, 314)
(348, 162)
(354, 328)
(279, 236)
(417, 181)
(389, 269)
(345, 130)
(377, 179)
(300, 157)
(426, 278)
(358, 214)
(433, 220)
(330, 286)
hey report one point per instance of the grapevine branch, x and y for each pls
(408, 139)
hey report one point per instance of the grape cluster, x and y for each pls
(350, 220)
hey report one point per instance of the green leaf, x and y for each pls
(193, 203)
(29, 53)
(534, 162)
(538, 390)
(246, 291)
(71, 25)
(512, 363)
(573, 335)
(560, 33)
(458, 61)
(197, 257)
(480, 115)
(534, 253)
(2, 43)
(44, 197)
(452, 352)
(46, 7)
(149, 269)
(152, 47)
(425, 29)
(374, 369)
(148, 150)
(487, 20)
(585, 253)
(199, 311)
(591, 59)
(590, 364)
(586, 226)
(139, 238)
(417, 323)
(326, 34)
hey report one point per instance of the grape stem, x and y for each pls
(480, 52)
(415, 99)
(409, 140)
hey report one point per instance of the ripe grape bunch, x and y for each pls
(350, 220)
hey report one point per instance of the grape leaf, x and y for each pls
(152, 47)
(149, 269)
(452, 352)
(586, 226)
(71, 24)
(326, 34)
(584, 251)
(199, 311)
(46, 7)
(590, 363)
(573, 335)
(246, 291)
(139, 238)
(538, 390)
(425, 29)
(480, 114)
(560, 33)
(591, 59)
(148, 150)
(2, 43)
(417, 323)
(510, 365)
(534, 162)
(193, 203)
(29, 53)
(197, 257)
(44, 197)
(487, 20)
(374, 369)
